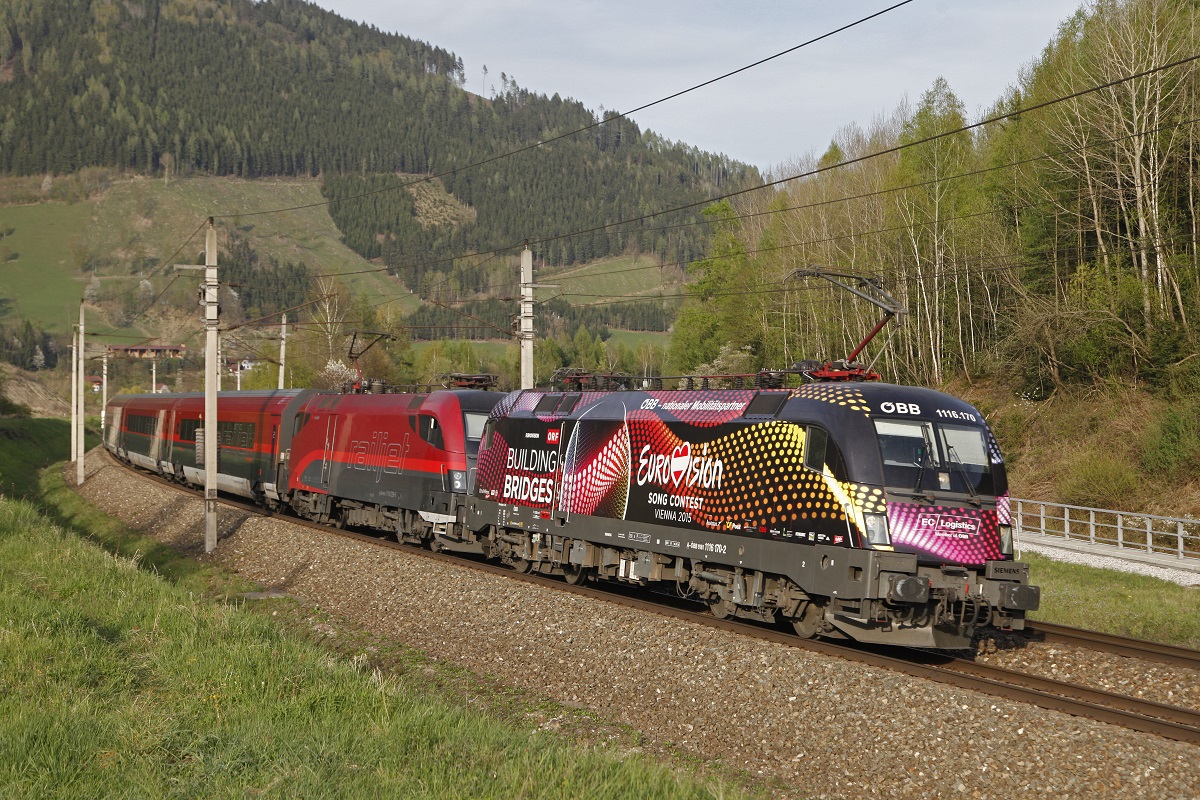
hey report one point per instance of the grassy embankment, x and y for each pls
(136, 676)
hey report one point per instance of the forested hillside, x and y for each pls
(1055, 247)
(285, 88)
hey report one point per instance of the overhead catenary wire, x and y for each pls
(823, 169)
(826, 168)
(585, 128)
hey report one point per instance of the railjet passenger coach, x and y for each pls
(865, 510)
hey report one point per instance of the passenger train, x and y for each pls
(849, 509)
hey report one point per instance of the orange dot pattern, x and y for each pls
(763, 484)
(867, 499)
(837, 394)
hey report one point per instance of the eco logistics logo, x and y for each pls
(680, 467)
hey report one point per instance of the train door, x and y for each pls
(169, 435)
(114, 427)
(156, 442)
(331, 426)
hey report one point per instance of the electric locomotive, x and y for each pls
(862, 510)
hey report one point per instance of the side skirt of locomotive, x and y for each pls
(866, 595)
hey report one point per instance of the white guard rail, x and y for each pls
(1140, 534)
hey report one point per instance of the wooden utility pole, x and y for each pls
(208, 448)
(282, 348)
(80, 446)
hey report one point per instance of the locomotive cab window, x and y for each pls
(821, 454)
(474, 423)
(429, 430)
(926, 456)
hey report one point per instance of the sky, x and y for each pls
(619, 54)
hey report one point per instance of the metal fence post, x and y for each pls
(1149, 536)
(1067, 521)
(1120, 529)
(1092, 526)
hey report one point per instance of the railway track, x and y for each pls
(1171, 722)
(1105, 642)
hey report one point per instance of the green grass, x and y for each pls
(634, 339)
(27, 446)
(486, 349)
(138, 223)
(43, 282)
(119, 678)
(1116, 602)
(623, 275)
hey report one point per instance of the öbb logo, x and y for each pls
(680, 467)
(899, 408)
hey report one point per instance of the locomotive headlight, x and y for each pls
(877, 530)
(1006, 540)
(458, 481)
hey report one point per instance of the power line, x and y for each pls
(585, 128)
(849, 162)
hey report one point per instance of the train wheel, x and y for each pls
(575, 574)
(721, 608)
(810, 621)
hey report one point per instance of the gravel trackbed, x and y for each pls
(820, 725)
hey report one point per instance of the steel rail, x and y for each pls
(1110, 643)
(1144, 716)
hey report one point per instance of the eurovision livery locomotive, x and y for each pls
(858, 510)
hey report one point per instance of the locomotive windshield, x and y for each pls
(473, 422)
(934, 456)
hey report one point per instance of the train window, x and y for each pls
(473, 424)
(821, 454)
(187, 429)
(300, 421)
(547, 404)
(139, 423)
(235, 434)
(430, 431)
(766, 404)
(814, 449)
(966, 457)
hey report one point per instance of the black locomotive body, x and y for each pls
(865, 510)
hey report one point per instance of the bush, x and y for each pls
(1100, 480)
(1171, 448)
